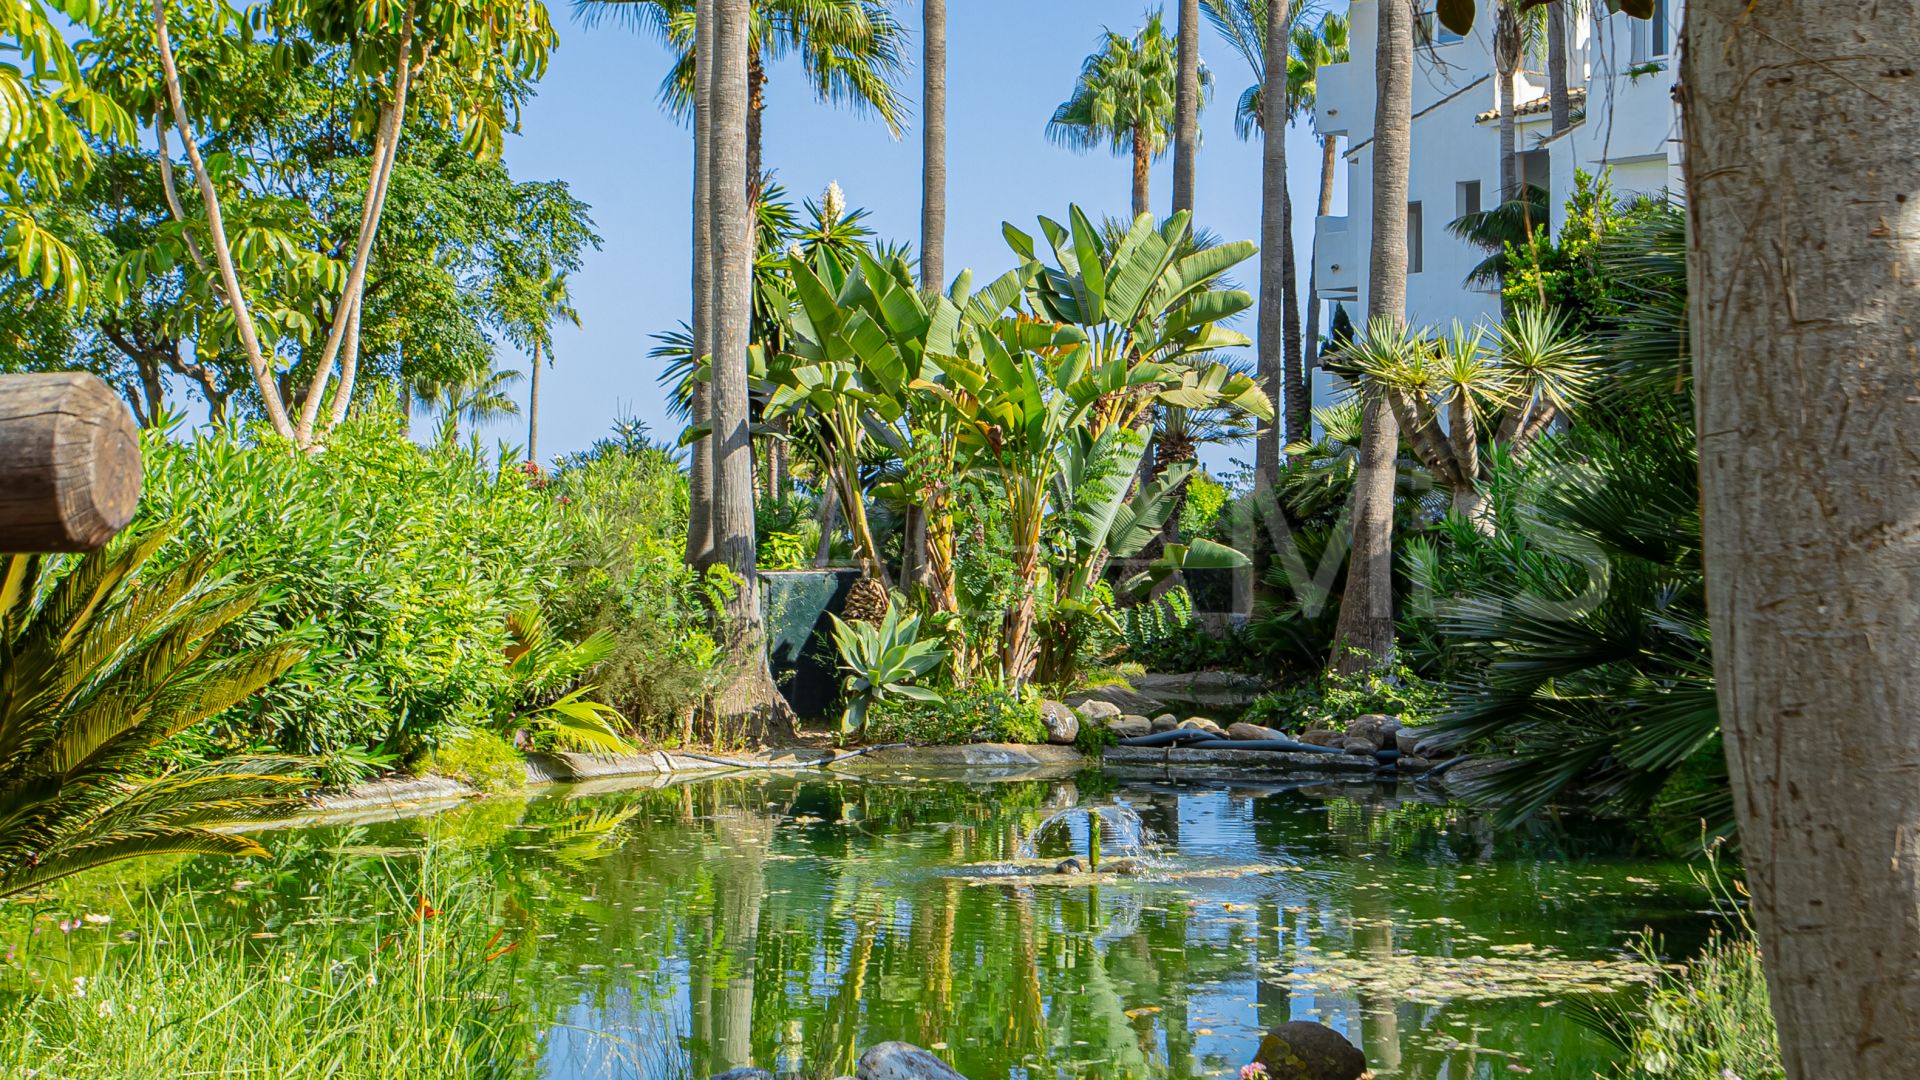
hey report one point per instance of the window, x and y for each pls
(1466, 198)
(1427, 31)
(1650, 39)
(1416, 231)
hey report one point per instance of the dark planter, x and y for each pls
(800, 636)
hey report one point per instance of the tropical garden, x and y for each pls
(1551, 543)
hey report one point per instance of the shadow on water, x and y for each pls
(789, 921)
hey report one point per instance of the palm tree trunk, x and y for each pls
(1802, 257)
(1186, 104)
(751, 705)
(1558, 66)
(1310, 346)
(700, 456)
(1296, 376)
(1364, 634)
(756, 114)
(1506, 60)
(1275, 365)
(1142, 169)
(533, 407)
(933, 143)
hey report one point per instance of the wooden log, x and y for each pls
(69, 462)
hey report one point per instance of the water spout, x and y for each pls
(1128, 832)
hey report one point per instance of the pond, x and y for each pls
(790, 921)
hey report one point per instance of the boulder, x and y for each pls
(1253, 731)
(1130, 727)
(1123, 867)
(1121, 696)
(744, 1074)
(902, 1061)
(1407, 739)
(1414, 763)
(1166, 721)
(1377, 728)
(1358, 746)
(1063, 725)
(1201, 723)
(1069, 866)
(1301, 1050)
(1323, 737)
(1094, 710)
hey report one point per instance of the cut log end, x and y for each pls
(69, 463)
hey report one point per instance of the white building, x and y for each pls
(1622, 74)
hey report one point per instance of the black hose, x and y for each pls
(1438, 769)
(1176, 737)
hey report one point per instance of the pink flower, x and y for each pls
(1254, 1071)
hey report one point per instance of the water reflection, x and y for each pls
(791, 921)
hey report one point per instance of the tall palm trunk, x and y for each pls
(533, 407)
(1186, 103)
(700, 457)
(756, 128)
(1558, 66)
(1801, 119)
(1506, 62)
(933, 144)
(1142, 168)
(751, 706)
(1310, 346)
(1296, 377)
(1364, 634)
(1276, 352)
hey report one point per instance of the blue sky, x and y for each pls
(597, 124)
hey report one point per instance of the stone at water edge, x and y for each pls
(1069, 866)
(1300, 1050)
(1323, 737)
(1358, 746)
(1253, 731)
(1413, 763)
(745, 1073)
(1166, 721)
(902, 1061)
(1201, 723)
(1408, 738)
(1094, 710)
(1123, 867)
(1376, 728)
(1129, 727)
(1063, 725)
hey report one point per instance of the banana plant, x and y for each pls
(881, 661)
(1151, 300)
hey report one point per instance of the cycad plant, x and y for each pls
(554, 705)
(101, 660)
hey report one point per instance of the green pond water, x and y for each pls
(790, 921)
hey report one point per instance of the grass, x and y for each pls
(421, 991)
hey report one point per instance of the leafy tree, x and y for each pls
(1124, 99)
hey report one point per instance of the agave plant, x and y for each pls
(101, 660)
(881, 662)
(546, 670)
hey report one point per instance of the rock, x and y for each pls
(1253, 731)
(1201, 723)
(1069, 866)
(1376, 728)
(1201, 691)
(1358, 746)
(1164, 722)
(1063, 726)
(1323, 737)
(744, 1074)
(1407, 739)
(902, 1061)
(1414, 763)
(1300, 1050)
(1123, 867)
(1095, 710)
(1130, 727)
(1120, 696)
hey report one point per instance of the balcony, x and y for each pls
(1333, 96)
(1336, 259)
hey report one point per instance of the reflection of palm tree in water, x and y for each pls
(1379, 1011)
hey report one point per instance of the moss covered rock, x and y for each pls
(1306, 1051)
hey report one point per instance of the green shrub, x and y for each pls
(480, 758)
(1707, 1020)
(1336, 700)
(972, 714)
(402, 564)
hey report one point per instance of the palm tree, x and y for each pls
(700, 456)
(554, 303)
(849, 49)
(1365, 633)
(1186, 105)
(101, 660)
(1560, 106)
(933, 135)
(1314, 48)
(1249, 25)
(1124, 98)
(1800, 248)
(477, 398)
